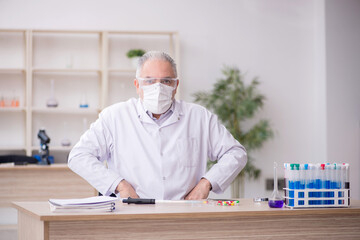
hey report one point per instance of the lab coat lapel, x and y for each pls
(176, 116)
(143, 117)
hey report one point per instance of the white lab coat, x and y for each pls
(161, 162)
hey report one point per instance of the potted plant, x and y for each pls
(134, 55)
(235, 102)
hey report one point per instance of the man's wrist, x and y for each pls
(208, 183)
(117, 187)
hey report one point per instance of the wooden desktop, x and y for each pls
(248, 220)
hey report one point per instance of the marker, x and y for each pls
(153, 201)
(138, 200)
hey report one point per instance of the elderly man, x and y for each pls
(155, 146)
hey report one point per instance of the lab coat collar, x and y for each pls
(144, 117)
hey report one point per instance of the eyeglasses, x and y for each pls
(166, 81)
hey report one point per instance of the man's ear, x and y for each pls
(177, 84)
(136, 83)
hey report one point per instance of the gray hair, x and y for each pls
(152, 55)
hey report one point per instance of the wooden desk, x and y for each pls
(189, 221)
(40, 182)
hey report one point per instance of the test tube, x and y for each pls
(317, 182)
(322, 177)
(347, 180)
(333, 182)
(286, 179)
(340, 180)
(302, 180)
(311, 181)
(286, 176)
(340, 176)
(297, 181)
(307, 175)
(327, 182)
(327, 176)
(347, 176)
(297, 176)
(291, 184)
(302, 176)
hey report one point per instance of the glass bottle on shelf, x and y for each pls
(52, 102)
(15, 100)
(83, 102)
(2, 101)
(65, 142)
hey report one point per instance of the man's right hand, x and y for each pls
(126, 190)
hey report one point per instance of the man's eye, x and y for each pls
(166, 81)
(149, 81)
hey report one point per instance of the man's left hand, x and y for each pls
(200, 191)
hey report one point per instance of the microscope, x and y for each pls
(44, 149)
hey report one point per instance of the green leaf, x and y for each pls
(234, 102)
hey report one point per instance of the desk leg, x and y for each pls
(32, 228)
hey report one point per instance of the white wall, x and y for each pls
(276, 40)
(343, 85)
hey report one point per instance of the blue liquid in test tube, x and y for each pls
(297, 176)
(318, 184)
(327, 182)
(302, 181)
(291, 182)
(310, 184)
(334, 182)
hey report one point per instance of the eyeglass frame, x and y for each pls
(155, 79)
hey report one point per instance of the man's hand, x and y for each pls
(126, 190)
(200, 191)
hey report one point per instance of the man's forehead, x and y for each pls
(157, 62)
(157, 66)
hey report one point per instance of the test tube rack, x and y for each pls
(320, 198)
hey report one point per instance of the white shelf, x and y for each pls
(54, 148)
(142, 32)
(12, 148)
(64, 70)
(12, 109)
(12, 70)
(66, 31)
(78, 111)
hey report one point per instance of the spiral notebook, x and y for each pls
(91, 204)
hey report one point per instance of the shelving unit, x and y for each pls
(13, 54)
(81, 63)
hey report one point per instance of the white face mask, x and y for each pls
(157, 97)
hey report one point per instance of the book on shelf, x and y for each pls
(91, 204)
